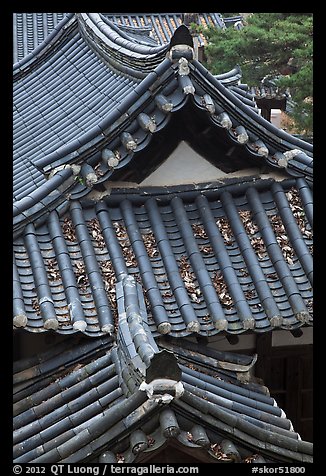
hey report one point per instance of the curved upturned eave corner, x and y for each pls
(139, 34)
(184, 81)
(112, 32)
(230, 78)
(284, 136)
(116, 48)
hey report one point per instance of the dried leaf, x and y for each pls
(199, 231)
(219, 454)
(150, 245)
(120, 458)
(244, 272)
(189, 279)
(125, 244)
(36, 306)
(225, 230)
(68, 230)
(96, 232)
(250, 459)
(206, 250)
(81, 275)
(150, 441)
(222, 290)
(293, 197)
(189, 436)
(110, 279)
(250, 294)
(52, 269)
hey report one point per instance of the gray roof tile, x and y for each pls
(93, 400)
(257, 272)
(144, 265)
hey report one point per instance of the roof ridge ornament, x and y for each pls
(192, 21)
(183, 67)
(181, 51)
(284, 157)
(181, 44)
(162, 390)
(163, 378)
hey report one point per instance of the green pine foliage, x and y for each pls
(276, 45)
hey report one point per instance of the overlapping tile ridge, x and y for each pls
(227, 257)
(106, 401)
(163, 25)
(140, 32)
(122, 51)
(88, 149)
(30, 30)
(57, 108)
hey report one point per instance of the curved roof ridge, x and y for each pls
(229, 74)
(268, 125)
(140, 34)
(114, 38)
(278, 148)
(183, 82)
(231, 77)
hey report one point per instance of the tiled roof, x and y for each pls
(30, 30)
(111, 144)
(163, 25)
(229, 256)
(57, 103)
(137, 268)
(101, 118)
(100, 401)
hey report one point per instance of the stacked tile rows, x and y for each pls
(82, 403)
(89, 123)
(219, 260)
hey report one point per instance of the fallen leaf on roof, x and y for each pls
(68, 230)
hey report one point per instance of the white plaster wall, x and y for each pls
(186, 166)
(276, 117)
(183, 166)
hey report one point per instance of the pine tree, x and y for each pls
(276, 45)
